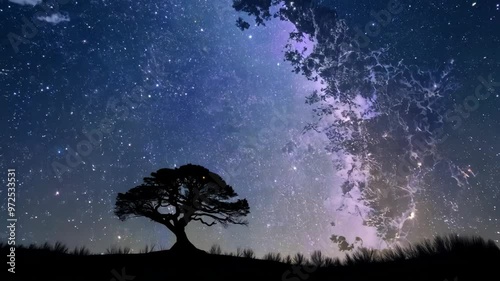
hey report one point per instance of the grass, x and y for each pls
(148, 249)
(57, 248)
(450, 247)
(299, 259)
(80, 251)
(272, 257)
(248, 253)
(113, 250)
(317, 258)
(470, 258)
(215, 250)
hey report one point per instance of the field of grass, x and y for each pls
(443, 258)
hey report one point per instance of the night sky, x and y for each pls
(177, 82)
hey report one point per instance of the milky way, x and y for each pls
(407, 156)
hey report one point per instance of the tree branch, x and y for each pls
(203, 222)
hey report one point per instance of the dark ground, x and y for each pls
(462, 262)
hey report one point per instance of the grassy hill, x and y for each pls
(450, 258)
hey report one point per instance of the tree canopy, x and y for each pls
(175, 197)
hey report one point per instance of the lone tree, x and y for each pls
(174, 197)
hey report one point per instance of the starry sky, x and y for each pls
(176, 82)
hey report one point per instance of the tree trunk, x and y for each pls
(182, 242)
(183, 246)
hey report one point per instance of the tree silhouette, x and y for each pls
(175, 197)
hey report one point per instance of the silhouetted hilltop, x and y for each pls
(444, 258)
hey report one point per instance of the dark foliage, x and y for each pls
(299, 259)
(451, 258)
(248, 253)
(175, 197)
(272, 257)
(118, 251)
(215, 250)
